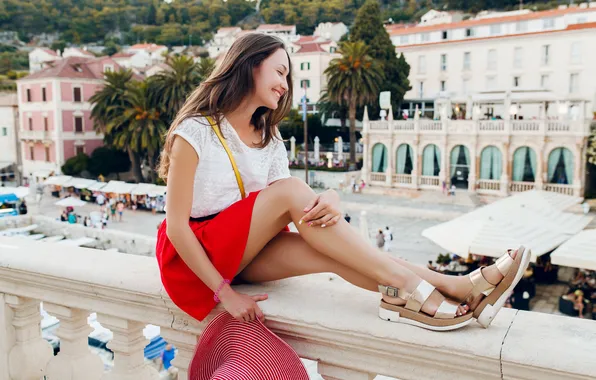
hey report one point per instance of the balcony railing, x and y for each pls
(378, 177)
(402, 179)
(489, 185)
(126, 293)
(561, 189)
(34, 135)
(489, 127)
(429, 181)
(518, 187)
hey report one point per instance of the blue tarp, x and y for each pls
(155, 348)
(8, 198)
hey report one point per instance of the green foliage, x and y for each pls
(75, 165)
(111, 48)
(13, 61)
(368, 27)
(58, 45)
(106, 160)
(591, 152)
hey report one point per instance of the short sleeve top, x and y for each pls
(215, 187)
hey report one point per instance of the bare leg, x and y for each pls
(284, 201)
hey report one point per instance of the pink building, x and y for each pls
(55, 113)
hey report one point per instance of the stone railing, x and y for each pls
(429, 181)
(34, 135)
(404, 179)
(488, 185)
(561, 189)
(378, 177)
(481, 127)
(518, 187)
(126, 293)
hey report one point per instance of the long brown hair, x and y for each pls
(227, 86)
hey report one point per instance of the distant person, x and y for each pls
(64, 216)
(380, 239)
(166, 358)
(347, 217)
(23, 208)
(444, 188)
(87, 222)
(101, 201)
(120, 209)
(388, 237)
(153, 205)
(72, 218)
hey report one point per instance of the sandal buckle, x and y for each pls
(390, 291)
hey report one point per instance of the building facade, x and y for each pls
(9, 161)
(55, 114)
(38, 57)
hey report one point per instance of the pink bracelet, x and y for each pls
(215, 295)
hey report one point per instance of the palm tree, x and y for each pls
(353, 80)
(106, 103)
(205, 67)
(138, 124)
(173, 85)
(328, 109)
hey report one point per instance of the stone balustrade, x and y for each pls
(321, 316)
(480, 127)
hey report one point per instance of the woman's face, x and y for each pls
(271, 79)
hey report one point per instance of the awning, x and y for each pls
(81, 183)
(5, 198)
(534, 219)
(20, 191)
(577, 252)
(97, 186)
(5, 164)
(70, 202)
(57, 180)
(142, 189)
(158, 191)
(118, 187)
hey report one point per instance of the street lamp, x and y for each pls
(305, 119)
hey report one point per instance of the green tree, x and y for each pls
(107, 104)
(152, 15)
(592, 146)
(173, 85)
(330, 109)
(105, 160)
(353, 80)
(75, 165)
(205, 67)
(368, 27)
(138, 123)
(111, 48)
(58, 45)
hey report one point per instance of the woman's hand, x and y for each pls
(323, 210)
(241, 306)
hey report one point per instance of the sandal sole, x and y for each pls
(489, 307)
(393, 313)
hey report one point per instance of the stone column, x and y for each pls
(332, 372)
(445, 164)
(366, 161)
(474, 165)
(390, 164)
(507, 168)
(541, 174)
(579, 161)
(317, 148)
(185, 344)
(128, 345)
(74, 361)
(28, 352)
(340, 148)
(292, 148)
(416, 165)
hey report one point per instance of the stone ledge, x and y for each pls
(321, 316)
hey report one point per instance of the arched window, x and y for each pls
(560, 166)
(379, 158)
(524, 165)
(431, 160)
(491, 163)
(404, 160)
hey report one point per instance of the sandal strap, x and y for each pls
(392, 291)
(446, 310)
(419, 296)
(479, 285)
(504, 263)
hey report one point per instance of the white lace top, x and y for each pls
(215, 186)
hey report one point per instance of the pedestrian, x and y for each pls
(86, 222)
(380, 239)
(387, 237)
(153, 205)
(166, 359)
(444, 188)
(347, 217)
(101, 200)
(452, 192)
(207, 193)
(120, 208)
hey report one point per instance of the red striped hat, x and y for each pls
(232, 350)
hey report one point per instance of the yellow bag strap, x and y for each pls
(225, 145)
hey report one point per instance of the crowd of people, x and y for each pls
(582, 293)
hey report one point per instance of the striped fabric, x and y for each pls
(232, 350)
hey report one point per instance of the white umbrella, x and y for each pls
(70, 202)
(577, 252)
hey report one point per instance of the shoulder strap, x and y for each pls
(225, 146)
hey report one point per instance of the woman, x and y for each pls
(243, 100)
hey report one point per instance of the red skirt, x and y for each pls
(224, 240)
(232, 350)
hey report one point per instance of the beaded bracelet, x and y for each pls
(215, 295)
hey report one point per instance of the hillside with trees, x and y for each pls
(178, 22)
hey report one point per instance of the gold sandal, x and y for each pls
(444, 319)
(496, 295)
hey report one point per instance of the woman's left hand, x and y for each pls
(323, 210)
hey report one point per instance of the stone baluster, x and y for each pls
(333, 372)
(28, 353)
(75, 361)
(366, 161)
(317, 150)
(128, 345)
(292, 148)
(185, 344)
(391, 164)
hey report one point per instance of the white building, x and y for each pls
(285, 32)
(138, 60)
(8, 133)
(40, 55)
(499, 104)
(310, 57)
(222, 40)
(151, 54)
(76, 52)
(331, 30)
(434, 17)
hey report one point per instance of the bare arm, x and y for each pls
(183, 165)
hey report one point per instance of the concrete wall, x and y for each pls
(331, 180)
